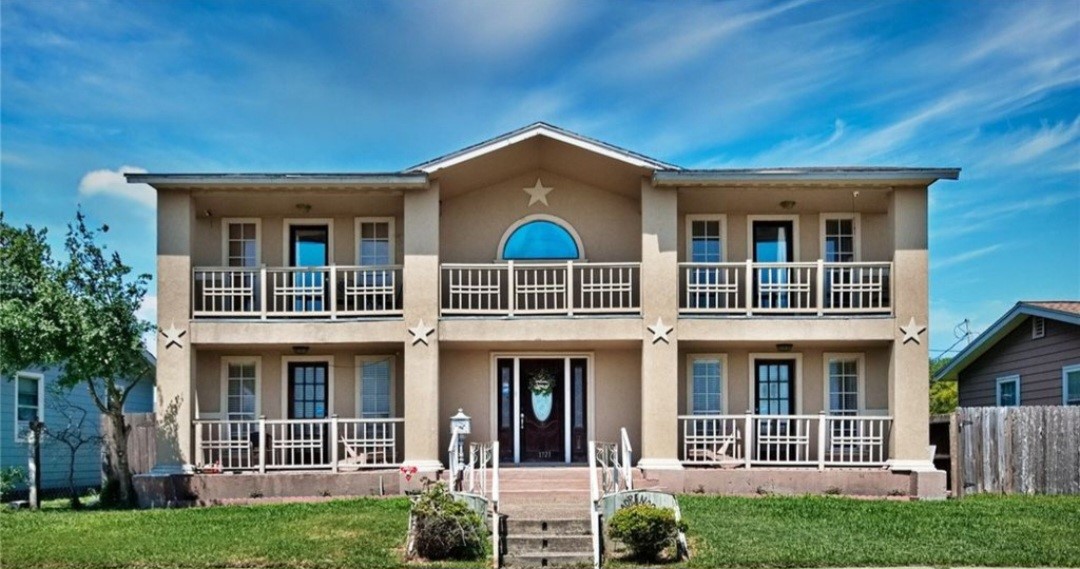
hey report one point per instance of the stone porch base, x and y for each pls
(172, 490)
(798, 481)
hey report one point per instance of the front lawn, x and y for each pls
(345, 533)
(1022, 531)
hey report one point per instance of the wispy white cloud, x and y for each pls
(965, 256)
(1046, 139)
(112, 183)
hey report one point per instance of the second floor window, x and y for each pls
(706, 241)
(241, 243)
(375, 242)
(839, 240)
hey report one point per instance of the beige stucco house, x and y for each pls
(749, 322)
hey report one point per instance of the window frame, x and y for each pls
(228, 221)
(224, 384)
(1038, 327)
(1015, 378)
(856, 234)
(391, 236)
(40, 378)
(1065, 370)
(722, 358)
(860, 374)
(358, 394)
(689, 233)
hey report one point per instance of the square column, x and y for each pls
(660, 313)
(421, 312)
(909, 373)
(175, 403)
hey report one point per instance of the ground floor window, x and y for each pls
(1008, 391)
(242, 387)
(843, 372)
(1070, 378)
(29, 395)
(375, 385)
(706, 385)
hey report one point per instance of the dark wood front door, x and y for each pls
(542, 409)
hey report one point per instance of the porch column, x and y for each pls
(660, 310)
(909, 382)
(420, 276)
(175, 355)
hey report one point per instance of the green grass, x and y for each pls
(1014, 531)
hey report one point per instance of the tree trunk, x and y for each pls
(74, 499)
(118, 449)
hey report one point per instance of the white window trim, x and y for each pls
(860, 359)
(1065, 382)
(291, 221)
(1038, 331)
(724, 379)
(358, 388)
(689, 230)
(40, 377)
(794, 219)
(856, 237)
(1004, 380)
(225, 222)
(285, 398)
(541, 217)
(224, 383)
(390, 234)
(751, 388)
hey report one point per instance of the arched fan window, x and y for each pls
(541, 239)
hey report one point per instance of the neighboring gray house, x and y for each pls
(1030, 356)
(27, 394)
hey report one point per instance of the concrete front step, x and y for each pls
(540, 559)
(576, 525)
(550, 543)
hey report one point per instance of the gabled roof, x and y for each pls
(1067, 311)
(541, 129)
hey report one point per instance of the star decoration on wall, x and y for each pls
(911, 331)
(172, 336)
(420, 332)
(660, 331)
(538, 193)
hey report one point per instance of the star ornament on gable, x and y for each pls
(538, 193)
(420, 332)
(911, 331)
(660, 331)
(172, 336)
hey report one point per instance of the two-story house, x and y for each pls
(741, 324)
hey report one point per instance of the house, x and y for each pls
(1030, 356)
(35, 393)
(740, 324)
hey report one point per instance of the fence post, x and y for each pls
(510, 287)
(820, 287)
(570, 288)
(748, 294)
(821, 439)
(262, 444)
(334, 442)
(333, 292)
(264, 301)
(748, 426)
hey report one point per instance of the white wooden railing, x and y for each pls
(297, 444)
(513, 289)
(314, 292)
(610, 472)
(789, 288)
(785, 440)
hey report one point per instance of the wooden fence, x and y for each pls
(1015, 450)
(141, 445)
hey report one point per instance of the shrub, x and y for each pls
(644, 529)
(444, 528)
(11, 477)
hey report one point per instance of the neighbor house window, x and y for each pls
(241, 242)
(706, 385)
(839, 238)
(1070, 385)
(242, 388)
(1008, 391)
(375, 241)
(843, 372)
(1038, 327)
(375, 385)
(30, 389)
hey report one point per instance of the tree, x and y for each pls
(79, 313)
(943, 392)
(72, 432)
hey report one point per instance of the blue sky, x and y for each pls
(90, 88)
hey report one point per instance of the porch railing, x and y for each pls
(515, 289)
(315, 292)
(299, 444)
(793, 288)
(785, 440)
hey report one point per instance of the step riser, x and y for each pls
(580, 544)
(535, 528)
(540, 560)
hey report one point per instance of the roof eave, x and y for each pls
(416, 180)
(677, 178)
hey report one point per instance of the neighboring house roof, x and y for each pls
(1067, 311)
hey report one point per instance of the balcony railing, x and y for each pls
(292, 292)
(785, 288)
(519, 289)
(298, 444)
(785, 440)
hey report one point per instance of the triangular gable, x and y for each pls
(541, 129)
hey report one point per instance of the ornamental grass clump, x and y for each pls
(444, 528)
(646, 530)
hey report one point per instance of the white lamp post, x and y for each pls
(460, 425)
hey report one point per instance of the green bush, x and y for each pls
(11, 477)
(644, 529)
(444, 528)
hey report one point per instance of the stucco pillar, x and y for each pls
(909, 383)
(660, 310)
(421, 309)
(175, 355)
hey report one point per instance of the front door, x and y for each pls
(308, 397)
(774, 394)
(774, 242)
(309, 246)
(542, 408)
(541, 401)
